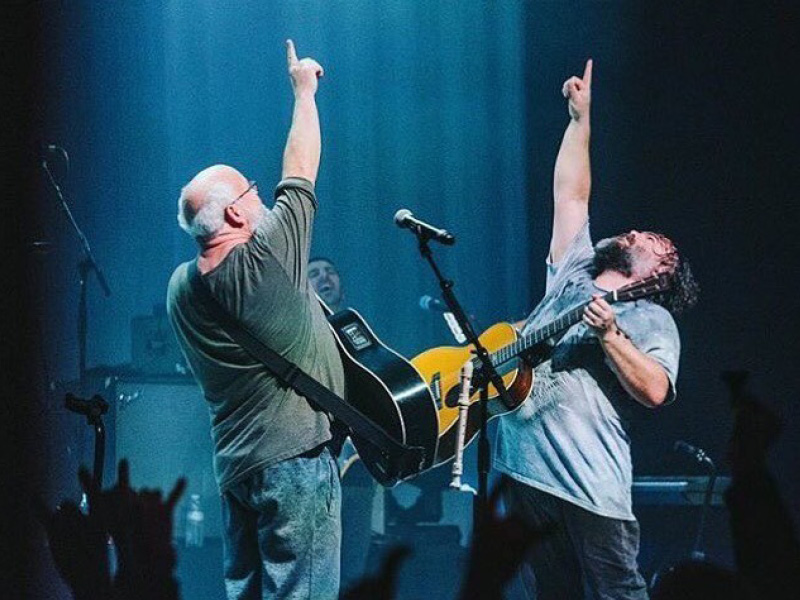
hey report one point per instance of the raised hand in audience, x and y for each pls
(140, 525)
(79, 546)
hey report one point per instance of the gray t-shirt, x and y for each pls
(568, 439)
(255, 422)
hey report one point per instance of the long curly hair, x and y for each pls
(683, 291)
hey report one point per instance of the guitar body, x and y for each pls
(441, 369)
(389, 390)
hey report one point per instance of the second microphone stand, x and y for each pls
(697, 546)
(483, 377)
(86, 266)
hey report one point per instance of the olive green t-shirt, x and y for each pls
(255, 422)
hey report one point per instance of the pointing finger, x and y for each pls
(291, 53)
(587, 73)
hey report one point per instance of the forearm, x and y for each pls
(572, 177)
(304, 144)
(641, 376)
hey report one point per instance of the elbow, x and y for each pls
(570, 193)
(654, 401)
(656, 394)
(300, 170)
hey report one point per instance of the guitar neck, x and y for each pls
(536, 337)
(650, 286)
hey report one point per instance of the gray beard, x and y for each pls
(609, 255)
(260, 220)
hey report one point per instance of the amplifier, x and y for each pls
(678, 490)
(163, 429)
(154, 348)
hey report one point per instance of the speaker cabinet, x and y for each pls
(163, 429)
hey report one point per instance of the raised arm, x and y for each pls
(572, 178)
(303, 146)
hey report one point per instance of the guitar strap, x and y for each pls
(292, 376)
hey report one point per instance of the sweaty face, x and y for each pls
(636, 253)
(325, 279)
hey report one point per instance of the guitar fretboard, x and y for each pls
(526, 342)
(654, 284)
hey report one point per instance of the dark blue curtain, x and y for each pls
(422, 107)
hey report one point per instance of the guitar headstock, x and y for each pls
(650, 286)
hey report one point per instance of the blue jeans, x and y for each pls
(586, 557)
(282, 531)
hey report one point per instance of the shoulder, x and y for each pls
(657, 313)
(295, 189)
(579, 248)
(178, 283)
(576, 263)
(644, 318)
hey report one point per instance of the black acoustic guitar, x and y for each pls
(389, 390)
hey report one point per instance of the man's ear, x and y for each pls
(235, 217)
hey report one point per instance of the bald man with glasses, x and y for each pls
(278, 479)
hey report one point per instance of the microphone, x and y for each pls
(46, 149)
(697, 453)
(433, 304)
(404, 218)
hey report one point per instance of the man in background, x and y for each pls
(324, 276)
(360, 492)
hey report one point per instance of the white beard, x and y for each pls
(260, 219)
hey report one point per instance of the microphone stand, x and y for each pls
(487, 374)
(93, 409)
(699, 455)
(85, 267)
(697, 552)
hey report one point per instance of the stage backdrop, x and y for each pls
(422, 107)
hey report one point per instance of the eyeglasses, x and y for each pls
(252, 185)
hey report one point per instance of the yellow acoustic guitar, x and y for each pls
(513, 357)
